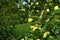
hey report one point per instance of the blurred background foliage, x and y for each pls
(29, 19)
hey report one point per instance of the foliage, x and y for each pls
(34, 20)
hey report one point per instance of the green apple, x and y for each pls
(48, 10)
(36, 3)
(56, 7)
(45, 34)
(30, 19)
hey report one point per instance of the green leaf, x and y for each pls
(55, 12)
(51, 38)
(21, 29)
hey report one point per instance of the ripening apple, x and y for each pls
(48, 10)
(45, 34)
(32, 26)
(56, 7)
(36, 3)
(30, 19)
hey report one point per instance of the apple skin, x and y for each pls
(30, 19)
(45, 34)
(37, 3)
(56, 7)
(48, 10)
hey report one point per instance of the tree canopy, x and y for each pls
(30, 20)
